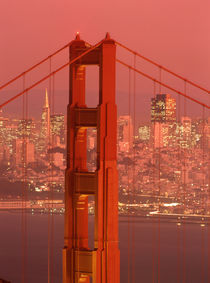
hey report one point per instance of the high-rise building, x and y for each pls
(57, 126)
(26, 128)
(45, 125)
(4, 149)
(144, 133)
(163, 108)
(185, 132)
(125, 133)
(24, 151)
(163, 118)
(161, 134)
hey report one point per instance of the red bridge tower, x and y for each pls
(102, 264)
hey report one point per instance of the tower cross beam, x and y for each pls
(79, 261)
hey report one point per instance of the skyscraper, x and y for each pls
(57, 126)
(26, 128)
(24, 151)
(163, 108)
(185, 132)
(45, 125)
(144, 132)
(125, 133)
(163, 118)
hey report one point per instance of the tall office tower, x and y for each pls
(5, 139)
(24, 151)
(163, 118)
(57, 127)
(125, 133)
(45, 125)
(10, 132)
(185, 132)
(163, 109)
(3, 124)
(144, 132)
(26, 128)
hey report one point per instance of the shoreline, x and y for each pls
(203, 220)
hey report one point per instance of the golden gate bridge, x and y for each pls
(102, 263)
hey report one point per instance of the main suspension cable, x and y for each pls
(162, 67)
(51, 74)
(34, 66)
(163, 84)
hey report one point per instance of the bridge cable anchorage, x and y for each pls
(35, 66)
(162, 67)
(51, 74)
(163, 84)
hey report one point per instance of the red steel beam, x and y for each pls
(50, 75)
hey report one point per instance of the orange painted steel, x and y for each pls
(34, 66)
(49, 75)
(163, 84)
(79, 261)
(162, 67)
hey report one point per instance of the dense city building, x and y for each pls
(168, 158)
(44, 139)
(125, 133)
(163, 108)
(163, 118)
(24, 152)
(57, 126)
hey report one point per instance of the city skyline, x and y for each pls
(119, 137)
(176, 136)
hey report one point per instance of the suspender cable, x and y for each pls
(52, 177)
(178, 145)
(119, 44)
(34, 66)
(154, 185)
(208, 205)
(184, 187)
(119, 61)
(134, 170)
(23, 190)
(50, 75)
(129, 197)
(163, 68)
(49, 153)
(160, 78)
(23, 141)
(163, 84)
(160, 130)
(203, 199)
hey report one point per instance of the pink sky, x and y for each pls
(175, 33)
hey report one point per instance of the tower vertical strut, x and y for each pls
(79, 261)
